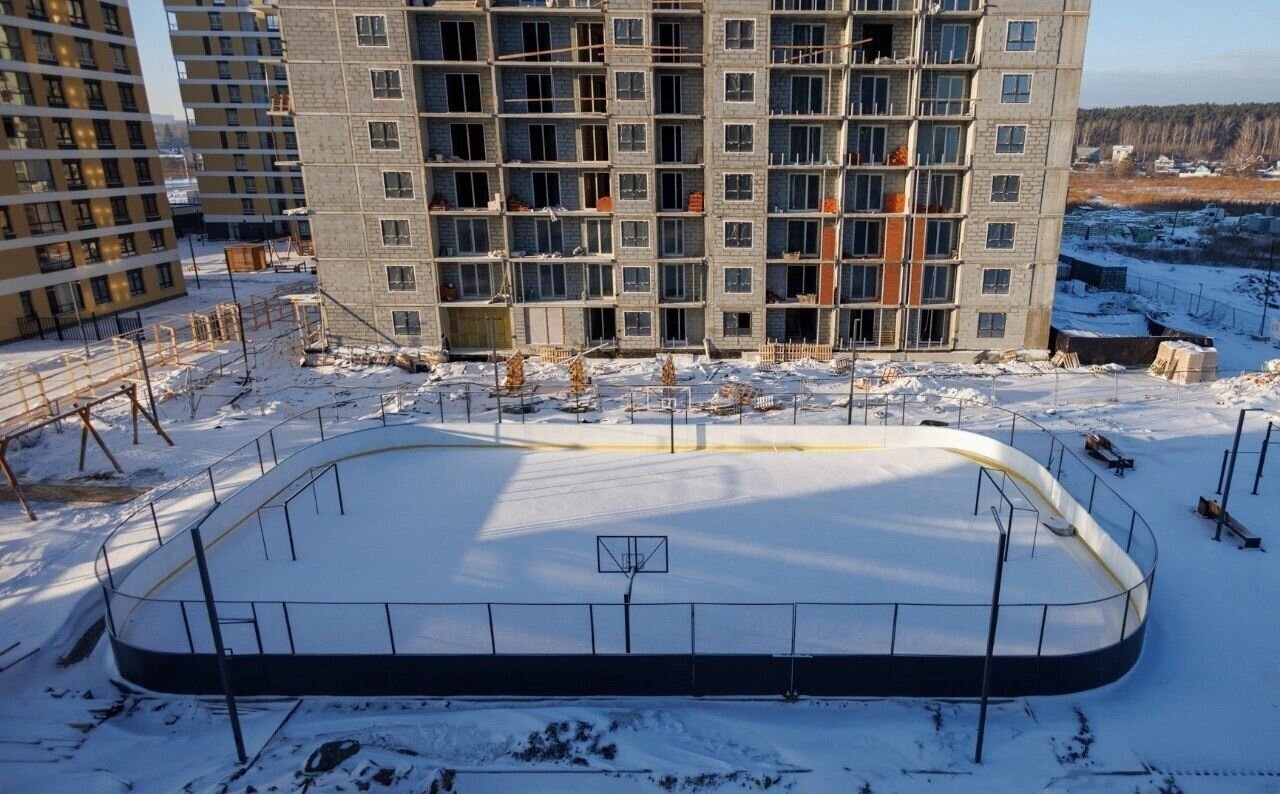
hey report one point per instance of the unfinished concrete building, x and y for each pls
(676, 174)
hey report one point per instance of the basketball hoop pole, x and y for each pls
(626, 606)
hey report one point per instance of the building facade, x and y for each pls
(236, 93)
(677, 174)
(86, 226)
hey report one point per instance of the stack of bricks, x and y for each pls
(439, 203)
(830, 206)
(695, 201)
(517, 204)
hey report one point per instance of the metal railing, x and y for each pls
(169, 516)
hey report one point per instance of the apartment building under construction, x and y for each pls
(85, 230)
(676, 174)
(234, 86)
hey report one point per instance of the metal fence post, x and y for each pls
(468, 398)
(213, 488)
(342, 509)
(320, 421)
(493, 642)
(440, 399)
(257, 442)
(1133, 518)
(382, 408)
(1092, 489)
(288, 626)
(591, 618)
(391, 632)
(155, 522)
(271, 436)
(1044, 618)
(793, 408)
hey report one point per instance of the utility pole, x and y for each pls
(1266, 292)
(493, 346)
(1001, 551)
(853, 366)
(191, 245)
(244, 346)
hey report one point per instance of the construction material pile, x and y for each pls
(1183, 363)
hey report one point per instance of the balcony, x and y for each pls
(817, 7)
(805, 55)
(936, 108)
(943, 58)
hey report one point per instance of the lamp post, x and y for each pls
(244, 346)
(493, 346)
(1266, 292)
(853, 365)
(1001, 548)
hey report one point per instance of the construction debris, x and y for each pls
(739, 393)
(1065, 360)
(579, 383)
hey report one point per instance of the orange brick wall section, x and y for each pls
(828, 251)
(826, 284)
(894, 240)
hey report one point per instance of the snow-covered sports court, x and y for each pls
(771, 550)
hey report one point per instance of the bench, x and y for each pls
(1100, 447)
(1210, 509)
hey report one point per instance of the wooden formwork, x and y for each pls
(783, 352)
(41, 389)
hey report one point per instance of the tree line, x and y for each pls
(1195, 132)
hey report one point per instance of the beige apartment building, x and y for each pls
(235, 89)
(86, 231)
(887, 175)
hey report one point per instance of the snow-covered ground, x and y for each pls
(1199, 713)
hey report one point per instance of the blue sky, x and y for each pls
(1161, 52)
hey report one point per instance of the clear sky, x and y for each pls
(1161, 52)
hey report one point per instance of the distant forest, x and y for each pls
(1204, 131)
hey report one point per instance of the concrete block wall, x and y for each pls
(345, 175)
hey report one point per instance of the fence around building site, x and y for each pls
(297, 629)
(1207, 310)
(44, 388)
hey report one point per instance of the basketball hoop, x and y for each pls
(630, 555)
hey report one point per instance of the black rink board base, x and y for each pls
(621, 675)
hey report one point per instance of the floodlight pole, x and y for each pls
(1001, 546)
(1262, 457)
(215, 629)
(493, 342)
(1266, 292)
(853, 366)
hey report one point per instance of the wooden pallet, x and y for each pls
(783, 352)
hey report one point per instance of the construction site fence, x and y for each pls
(1209, 311)
(167, 517)
(206, 345)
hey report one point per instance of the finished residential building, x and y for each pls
(236, 93)
(85, 226)
(684, 175)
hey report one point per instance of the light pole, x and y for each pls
(853, 365)
(1266, 292)
(76, 299)
(244, 346)
(493, 346)
(1001, 548)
